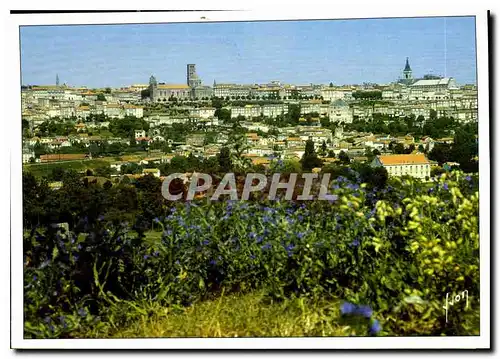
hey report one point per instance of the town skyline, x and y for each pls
(103, 55)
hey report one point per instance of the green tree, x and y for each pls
(101, 97)
(310, 159)
(344, 158)
(224, 159)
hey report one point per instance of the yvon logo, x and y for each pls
(459, 297)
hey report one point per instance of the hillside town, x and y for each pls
(390, 125)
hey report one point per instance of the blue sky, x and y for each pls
(299, 52)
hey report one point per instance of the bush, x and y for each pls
(399, 249)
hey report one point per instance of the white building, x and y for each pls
(202, 112)
(437, 89)
(339, 111)
(415, 165)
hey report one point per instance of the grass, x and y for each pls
(44, 169)
(238, 315)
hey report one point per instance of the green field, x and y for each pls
(44, 169)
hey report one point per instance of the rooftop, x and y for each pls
(412, 159)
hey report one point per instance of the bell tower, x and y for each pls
(407, 73)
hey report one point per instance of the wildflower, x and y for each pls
(35, 277)
(468, 178)
(213, 262)
(355, 243)
(156, 220)
(206, 242)
(252, 235)
(300, 235)
(82, 312)
(347, 308)
(156, 253)
(445, 186)
(289, 249)
(47, 320)
(145, 256)
(252, 256)
(100, 217)
(266, 246)
(364, 310)
(177, 262)
(259, 239)
(375, 327)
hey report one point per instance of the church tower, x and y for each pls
(407, 73)
(153, 88)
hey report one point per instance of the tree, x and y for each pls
(421, 148)
(344, 158)
(101, 97)
(239, 147)
(107, 90)
(310, 159)
(398, 148)
(331, 84)
(323, 149)
(440, 153)
(224, 160)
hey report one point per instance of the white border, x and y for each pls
(271, 13)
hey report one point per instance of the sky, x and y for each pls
(294, 52)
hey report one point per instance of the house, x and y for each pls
(415, 165)
(154, 171)
(139, 134)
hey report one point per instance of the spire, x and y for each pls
(407, 67)
(57, 80)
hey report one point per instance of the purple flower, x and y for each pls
(364, 310)
(468, 178)
(82, 312)
(206, 242)
(445, 186)
(347, 308)
(213, 262)
(266, 246)
(375, 327)
(145, 256)
(300, 235)
(355, 243)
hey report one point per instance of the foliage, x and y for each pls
(310, 159)
(398, 248)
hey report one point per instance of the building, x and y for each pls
(248, 111)
(340, 112)
(415, 165)
(434, 89)
(202, 92)
(165, 92)
(192, 78)
(202, 112)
